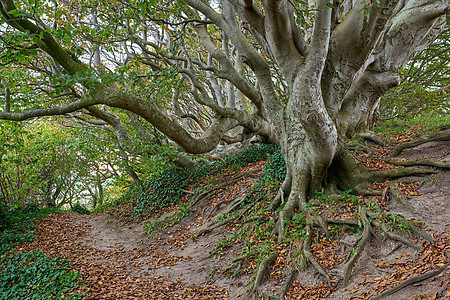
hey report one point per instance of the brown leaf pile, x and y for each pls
(111, 279)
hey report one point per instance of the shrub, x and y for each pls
(408, 101)
(78, 209)
(5, 220)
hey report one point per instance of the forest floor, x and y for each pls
(119, 260)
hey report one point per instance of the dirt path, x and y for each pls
(168, 254)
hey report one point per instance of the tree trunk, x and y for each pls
(308, 140)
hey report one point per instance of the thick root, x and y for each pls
(308, 255)
(441, 135)
(212, 190)
(399, 238)
(361, 147)
(214, 226)
(362, 244)
(410, 281)
(397, 193)
(402, 172)
(420, 233)
(283, 193)
(371, 136)
(287, 284)
(263, 266)
(322, 223)
(352, 222)
(418, 162)
(285, 214)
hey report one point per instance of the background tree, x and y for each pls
(47, 164)
(430, 68)
(424, 79)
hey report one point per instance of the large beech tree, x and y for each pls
(303, 75)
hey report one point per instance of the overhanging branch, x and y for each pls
(52, 111)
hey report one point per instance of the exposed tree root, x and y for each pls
(214, 226)
(263, 266)
(371, 136)
(420, 233)
(441, 135)
(213, 158)
(367, 192)
(418, 162)
(362, 243)
(322, 223)
(411, 227)
(410, 281)
(237, 202)
(308, 255)
(238, 269)
(211, 191)
(352, 222)
(399, 238)
(283, 193)
(246, 210)
(397, 193)
(218, 204)
(402, 172)
(287, 284)
(346, 172)
(360, 147)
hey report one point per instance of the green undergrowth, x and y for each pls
(409, 107)
(252, 224)
(166, 189)
(31, 275)
(273, 173)
(37, 276)
(17, 224)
